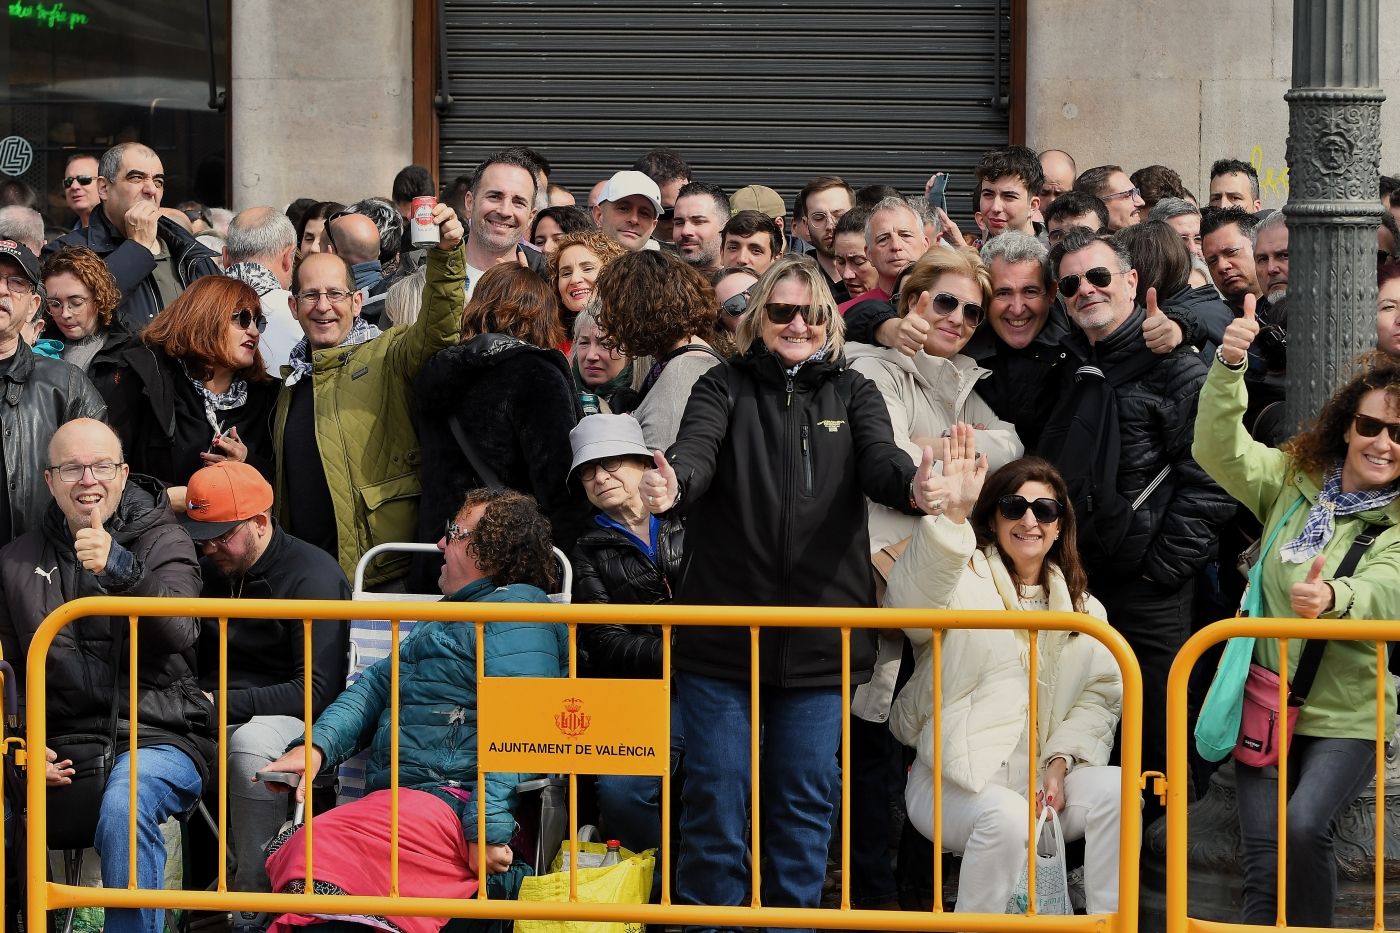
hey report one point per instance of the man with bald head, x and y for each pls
(1059, 170)
(259, 251)
(106, 532)
(347, 450)
(152, 258)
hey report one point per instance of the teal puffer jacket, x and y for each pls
(437, 701)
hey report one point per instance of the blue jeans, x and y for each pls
(1327, 775)
(801, 730)
(168, 784)
(630, 805)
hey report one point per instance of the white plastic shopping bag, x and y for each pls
(1051, 875)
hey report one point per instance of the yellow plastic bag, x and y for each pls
(627, 882)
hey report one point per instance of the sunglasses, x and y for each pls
(453, 533)
(736, 305)
(83, 180)
(1044, 510)
(1367, 426)
(1099, 277)
(782, 314)
(245, 319)
(945, 304)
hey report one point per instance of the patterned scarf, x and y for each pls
(255, 276)
(1331, 502)
(300, 361)
(235, 396)
(814, 358)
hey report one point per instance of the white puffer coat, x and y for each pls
(985, 673)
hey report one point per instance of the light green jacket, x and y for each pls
(1342, 702)
(364, 423)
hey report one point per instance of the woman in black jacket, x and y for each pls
(625, 555)
(496, 410)
(776, 454)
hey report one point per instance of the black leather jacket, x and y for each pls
(40, 395)
(132, 264)
(610, 568)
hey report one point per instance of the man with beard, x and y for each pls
(700, 214)
(1271, 256)
(246, 555)
(500, 205)
(821, 203)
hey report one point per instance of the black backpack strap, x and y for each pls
(1312, 653)
(483, 472)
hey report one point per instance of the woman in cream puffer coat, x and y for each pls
(1011, 547)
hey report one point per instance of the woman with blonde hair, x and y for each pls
(774, 458)
(935, 387)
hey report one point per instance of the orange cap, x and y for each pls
(221, 495)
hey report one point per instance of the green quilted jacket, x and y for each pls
(364, 423)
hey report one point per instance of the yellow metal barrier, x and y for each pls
(1178, 770)
(44, 895)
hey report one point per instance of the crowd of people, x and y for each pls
(701, 397)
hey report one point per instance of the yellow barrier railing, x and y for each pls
(1178, 769)
(44, 895)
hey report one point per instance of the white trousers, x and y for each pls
(989, 830)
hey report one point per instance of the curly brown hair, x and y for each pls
(512, 542)
(650, 301)
(87, 267)
(510, 299)
(599, 245)
(1324, 443)
(194, 327)
(1064, 552)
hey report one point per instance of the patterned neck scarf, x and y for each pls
(814, 358)
(255, 276)
(300, 361)
(235, 396)
(1331, 502)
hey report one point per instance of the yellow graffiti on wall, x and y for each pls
(1273, 182)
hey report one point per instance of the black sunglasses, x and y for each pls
(83, 180)
(244, 318)
(1044, 510)
(945, 304)
(1099, 277)
(1367, 426)
(736, 305)
(782, 314)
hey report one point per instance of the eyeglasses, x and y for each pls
(194, 215)
(223, 539)
(607, 464)
(245, 318)
(17, 284)
(1130, 193)
(945, 304)
(1044, 510)
(103, 470)
(736, 305)
(336, 296)
(1099, 277)
(782, 314)
(1367, 426)
(83, 180)
(822, 218)
(453, 533)
(72, 303)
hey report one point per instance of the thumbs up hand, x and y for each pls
(929, 490)
(659, 486)
(1234, 346)
(1313, 596)
(1163, 335)
(93, 544)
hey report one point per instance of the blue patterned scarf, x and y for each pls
(1331, 502)
(300, 359)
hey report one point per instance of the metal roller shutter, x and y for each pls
(755, 92)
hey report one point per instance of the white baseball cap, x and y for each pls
(627, 183)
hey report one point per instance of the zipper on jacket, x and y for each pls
(806, 459)
(789, 391)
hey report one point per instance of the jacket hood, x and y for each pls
(144, 504)
(949, 380)
(440, 378)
